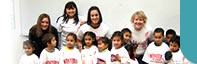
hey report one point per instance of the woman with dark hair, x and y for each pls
(94, 24)
(37, 31)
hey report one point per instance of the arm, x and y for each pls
(146, 56)
(43, 58)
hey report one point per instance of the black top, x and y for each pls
(38, 40)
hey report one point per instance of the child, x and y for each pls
(69, 22)
(69, 54)
(156, 50)
(50, 54)
(169, 34)
(142, 33)
(118, 53)
(104, 55)
(177, 56)
(132, 53)
(29, 57)
(126, 35)
(89, 48)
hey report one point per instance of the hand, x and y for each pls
(118, 57)
(81, 23)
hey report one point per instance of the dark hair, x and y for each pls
(73, 35)
(47, 38)
(105, 40)
(125, 30)
(159, 30)
(118, 34)
(70, 5)
(176, 39)
(130, 48)
(37, 27)
(29, 43)
(89, 16)
(89, 33)
(170, 31)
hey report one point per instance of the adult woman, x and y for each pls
(141, 33)
(94, 24)
(37, 31)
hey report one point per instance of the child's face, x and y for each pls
(53, 42)
(138, 22)
(70, 42)
(94, 15)
(71, 12)
(44, 23)
(28, 49)
(102, 46)
(174, 46)
(88, 40)
(127, 37)
(117, 42)
(158, 38)
(168, 37)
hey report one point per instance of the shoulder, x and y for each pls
(104, 25)
(84, 26)
(152, 44)
(33, 28)
(164, 45)
(35, 56)
(60, 19)
(56, 50)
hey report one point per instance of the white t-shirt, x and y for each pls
(49, 57)
(101, 31)
(155, 54)
(178, 58)
(69, 27)
(32, 59)
(103, 57)
(131, 61)
(88, 55)
(122, 52)
(70, 56)
(141, 37)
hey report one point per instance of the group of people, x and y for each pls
(89, 41)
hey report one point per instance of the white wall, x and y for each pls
(116, 13)
(11, 40)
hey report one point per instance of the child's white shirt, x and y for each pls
(49, 57)
(32, 59)
(101, 31)
(178, 58)
(141, 37)
(88, 55)
(131, 61)
(122, 52)
(103, 57)
(68, 56)
(69, 27)
(155, 54)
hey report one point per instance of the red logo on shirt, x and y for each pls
(156, 58)
(70, 60)
(52, 62)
